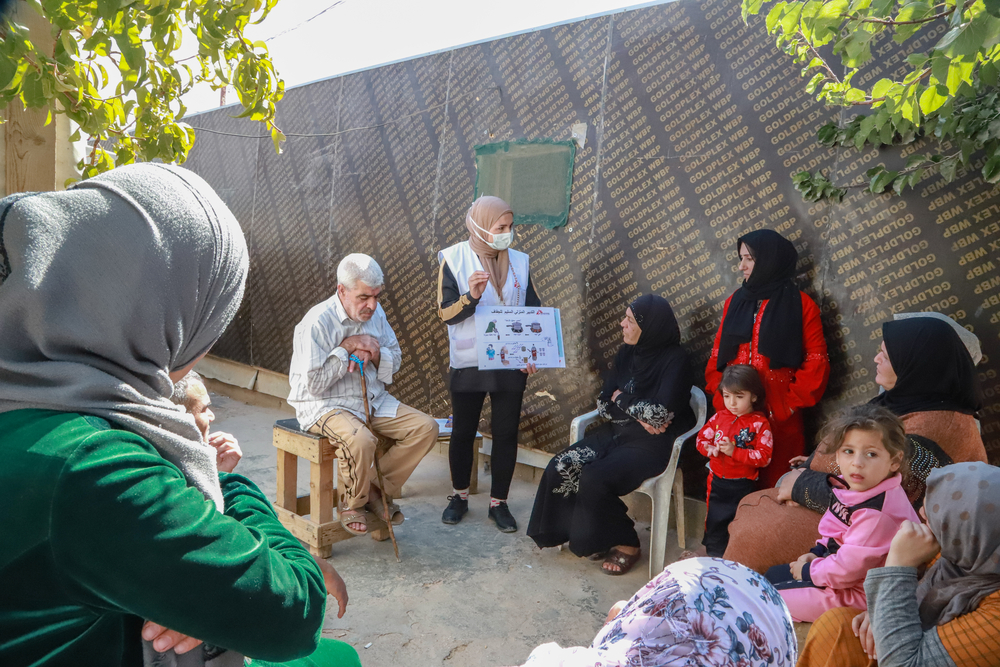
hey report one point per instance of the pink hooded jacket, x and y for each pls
(855, 533)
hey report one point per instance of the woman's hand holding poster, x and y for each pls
(515, 336)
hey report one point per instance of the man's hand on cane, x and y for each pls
(363, 347)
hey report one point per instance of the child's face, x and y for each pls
(738, 402)
(864, 461)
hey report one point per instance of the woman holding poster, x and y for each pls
(483, 271)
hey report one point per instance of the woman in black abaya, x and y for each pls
(646, 402)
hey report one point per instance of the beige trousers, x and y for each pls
(414, 434)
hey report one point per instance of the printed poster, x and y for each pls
(514, 336)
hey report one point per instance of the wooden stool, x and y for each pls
(321, 530)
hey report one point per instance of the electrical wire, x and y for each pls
(350, 129)
(284, 32)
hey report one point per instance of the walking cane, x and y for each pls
(378, 468)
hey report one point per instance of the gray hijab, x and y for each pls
(962, 505)
(108, 287)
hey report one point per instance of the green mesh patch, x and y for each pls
(534, 177)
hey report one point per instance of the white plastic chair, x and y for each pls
(659, 488)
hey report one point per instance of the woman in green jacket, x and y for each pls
(113, 510)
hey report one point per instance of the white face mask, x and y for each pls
(500, 241)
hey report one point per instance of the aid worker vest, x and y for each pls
(463, 262)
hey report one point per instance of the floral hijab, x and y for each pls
(699, 612)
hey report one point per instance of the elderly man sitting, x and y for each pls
(326, 391)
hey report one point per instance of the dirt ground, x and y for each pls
(465, 595)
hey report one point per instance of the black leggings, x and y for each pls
(724, 496)
(466, 407)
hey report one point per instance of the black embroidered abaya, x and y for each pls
(578, 499)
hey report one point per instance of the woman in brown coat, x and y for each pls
(930, 384)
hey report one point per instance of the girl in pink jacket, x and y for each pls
(866, 509)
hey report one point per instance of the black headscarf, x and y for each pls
(933, 368)
(772, 280)
(660, 332)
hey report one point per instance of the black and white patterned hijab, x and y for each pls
(108, 287)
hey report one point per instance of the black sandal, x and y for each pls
(623, 560)
(596, 556)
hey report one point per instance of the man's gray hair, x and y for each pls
(357, 266)
(182, 389)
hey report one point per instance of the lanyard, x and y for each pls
(499, 292)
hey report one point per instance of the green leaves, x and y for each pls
(33, 90)
(880, 179)
(8, 68)
(815, 187)
(140, 117)
(948, 92)
(881, 88)
(933, 98)
(107, 9)
(948, 168)
(821, 21)
(968, 39)
(911, 11)
(991, 170)
(855, 48)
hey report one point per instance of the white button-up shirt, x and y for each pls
(318, 375)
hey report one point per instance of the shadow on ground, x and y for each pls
(464, 595)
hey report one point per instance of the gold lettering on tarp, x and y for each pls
(965, 215)
(638, 175)
(694, 127)
(546, 105)
(398, 164)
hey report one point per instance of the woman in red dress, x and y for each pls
(771, 325)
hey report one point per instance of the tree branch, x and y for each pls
(865, 181)
(816, 54)
(93, 153)
(893, 22)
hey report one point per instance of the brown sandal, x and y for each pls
(375, 507)
(623, 560)
(354, 516)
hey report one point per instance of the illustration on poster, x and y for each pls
(491, 328)
(522, 336)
